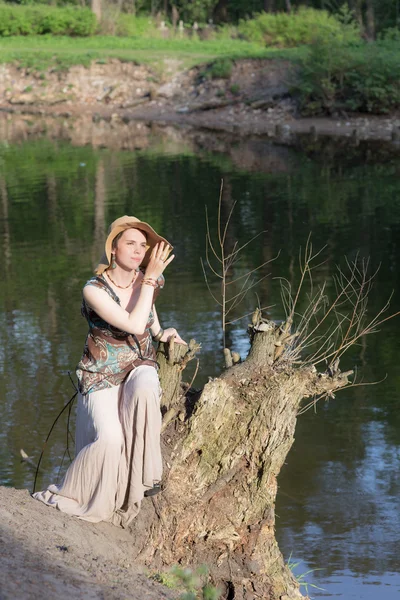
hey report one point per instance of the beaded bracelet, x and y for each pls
(151, 282)
(157, 338)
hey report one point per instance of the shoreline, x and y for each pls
(48, 552)
(255, 100)
(240, 122)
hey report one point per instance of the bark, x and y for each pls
(96, 8)
(356, 6)
(370, 20)
(269, 5)
(220, 14)
(223, 449)
(175, 16)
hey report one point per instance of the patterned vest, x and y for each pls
(109, 353)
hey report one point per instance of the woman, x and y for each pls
(118, 457)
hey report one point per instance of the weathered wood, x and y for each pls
(172, 359)
(222, 460)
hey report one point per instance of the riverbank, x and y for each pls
(47, 553)
(253, 97)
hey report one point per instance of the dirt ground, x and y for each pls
(46, 554)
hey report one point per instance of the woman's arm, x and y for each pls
(170, 331)
(133, 322)
(115, 315)
(155, 328)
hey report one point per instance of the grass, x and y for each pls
(45, 51)
(191, 584)
(301, 577)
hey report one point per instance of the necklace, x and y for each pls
(122, 287)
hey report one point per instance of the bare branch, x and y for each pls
(219, 214)
(210, 265)
(228, 221)
(208, 239)
(253, 270)
(249, 242)
(249, 313)
(207, 284)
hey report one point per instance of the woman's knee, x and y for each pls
(144, 386)
(111, 437)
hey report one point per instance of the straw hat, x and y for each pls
(121, 224)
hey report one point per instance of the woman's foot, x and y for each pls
(156, 489)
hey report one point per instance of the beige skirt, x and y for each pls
(118, 453)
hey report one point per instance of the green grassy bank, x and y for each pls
(335, 68)
(45, 51)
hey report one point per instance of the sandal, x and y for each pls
(156, 489)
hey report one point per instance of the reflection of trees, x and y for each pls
(52, 200)
(99, 213)
(346, 509)
(6, 250)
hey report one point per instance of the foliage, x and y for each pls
(384, 13)
(39, 20)
(338, 70)
(191, 583)
(339, 76)
(196, 10)
(126, 25)
(392, 34)
(219, 69)
(294, 29)
(131, 26)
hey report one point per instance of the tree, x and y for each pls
(225, 445)
(370, 19)
(96, 8)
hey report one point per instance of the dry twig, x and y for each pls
(326, 329)
(220, 262)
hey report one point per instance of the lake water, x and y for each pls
(338, 500)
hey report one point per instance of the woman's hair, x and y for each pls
(118, 237)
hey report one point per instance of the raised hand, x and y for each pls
(159, 260)
(172, 332)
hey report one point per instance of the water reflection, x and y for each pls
(341, 514)
(338, 493)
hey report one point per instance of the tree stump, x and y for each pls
(223, 449)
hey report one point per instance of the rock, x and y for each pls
(137, 102)
(168, 90)
(56, 99)
(23, 98)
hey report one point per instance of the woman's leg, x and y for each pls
(90, 485)
(141, 462)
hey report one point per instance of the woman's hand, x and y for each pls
(172, 333)
(159, 260)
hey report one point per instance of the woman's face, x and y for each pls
(130, 249)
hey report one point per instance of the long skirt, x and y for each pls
(118, 453)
